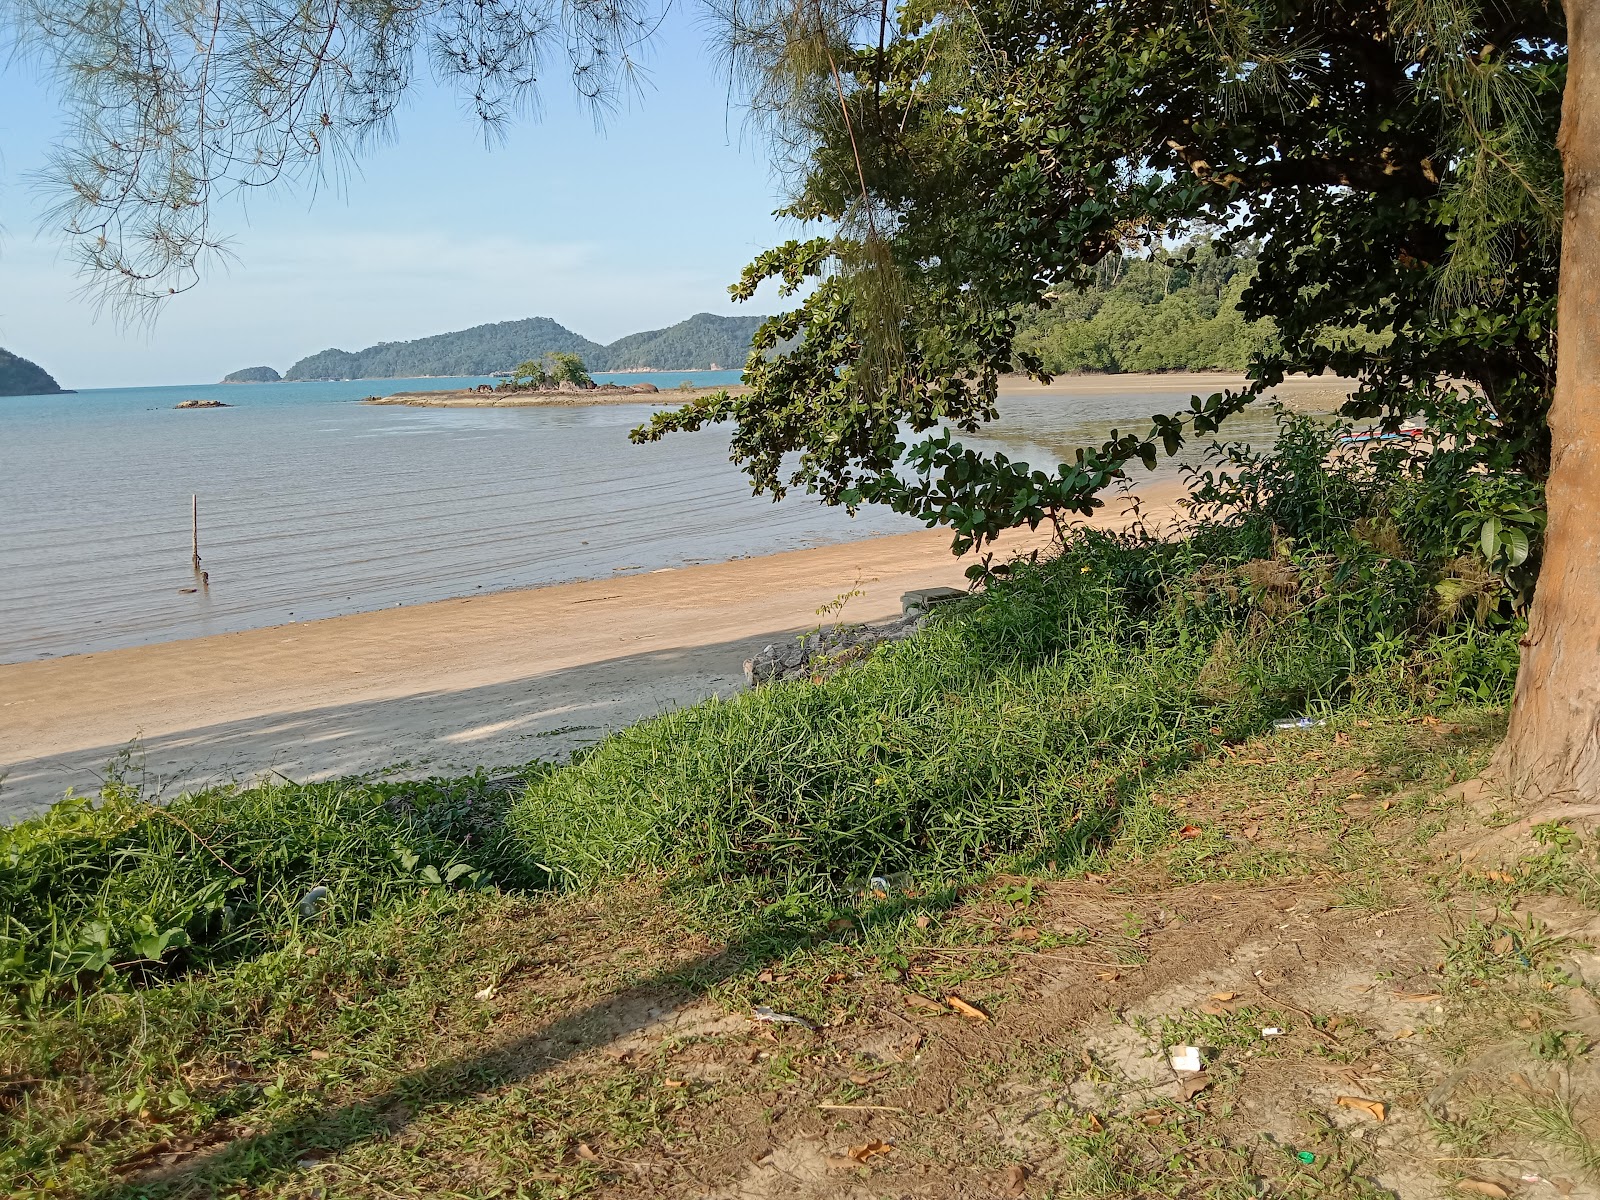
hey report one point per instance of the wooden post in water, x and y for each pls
(194, 526)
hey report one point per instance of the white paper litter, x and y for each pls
(765, 1012)
(1186, 1058)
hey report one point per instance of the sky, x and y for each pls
(636, 226)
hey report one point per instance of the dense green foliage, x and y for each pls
(252, 375)
(1173, 310)
(693, 344)
(19, 377)
(1393, 165)
(120, 890)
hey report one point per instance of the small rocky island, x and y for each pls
(253, 375)
(202, 404)
(19, 377)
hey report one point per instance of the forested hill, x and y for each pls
(484, 349)
(19, 377)
(1172, 311)
(695, 344)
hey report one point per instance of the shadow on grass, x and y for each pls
(273, 1154)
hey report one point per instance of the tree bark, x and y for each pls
(1552, 748)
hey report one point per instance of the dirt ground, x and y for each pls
(1386, 978)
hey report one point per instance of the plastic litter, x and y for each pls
(765, 1012)
(1272, 1031)
(1297, 723)
(1186, 1058)
(312, 900)
(1306, 1157)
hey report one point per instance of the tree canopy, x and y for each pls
(1393, 164)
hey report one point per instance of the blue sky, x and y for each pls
(634, 227)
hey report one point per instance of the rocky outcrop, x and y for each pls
(202, 404)
(820, 654)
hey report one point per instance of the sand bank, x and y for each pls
(489, 680)
(1299, 391)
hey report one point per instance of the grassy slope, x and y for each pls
(1312, 877)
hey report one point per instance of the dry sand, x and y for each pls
(487, 681)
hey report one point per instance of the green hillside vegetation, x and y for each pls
(252, 375)
(693, 344)
(698, 342)
(1172, 311)
(19, 377)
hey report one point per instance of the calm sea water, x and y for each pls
(312, 505)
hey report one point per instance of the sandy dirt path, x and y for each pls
(445, 687)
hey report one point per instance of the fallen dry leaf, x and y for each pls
(1092, 878)
(1421, 997)
(1356, 796)
(1016, 1179)
(839, 1162)
(869, 1150)
(1483, 1187)
(1108, 976)
(1152, 1117)
(1189, 831)
(587, 1152)
(764, 977)
(841, 923)
(675, 1083)
(1224, 996)
(1026, 934)
(924, 921)
(916, 1001)
(1191, 1087)
(861, 1080)
(1374, 1108)
(1402, 1034)
(319, 1055)
(966, 1009)
(1500, 876)
(1503, 944)
(487, 993)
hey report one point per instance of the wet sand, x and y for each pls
(491, 680)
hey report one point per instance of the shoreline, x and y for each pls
(1309, 392)
(489, 680)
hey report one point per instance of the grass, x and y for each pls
(455, 987)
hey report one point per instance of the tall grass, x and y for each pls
(1018, 722)
(116, 889)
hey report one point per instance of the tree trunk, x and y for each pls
(1552, 748)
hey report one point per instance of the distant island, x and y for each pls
(253, 375)
(703, 342)
(19, 377)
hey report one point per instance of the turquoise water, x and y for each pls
(312, 505)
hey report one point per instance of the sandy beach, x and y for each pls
(489, 681)
(1298, 391)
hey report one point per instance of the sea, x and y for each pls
(314, 505)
